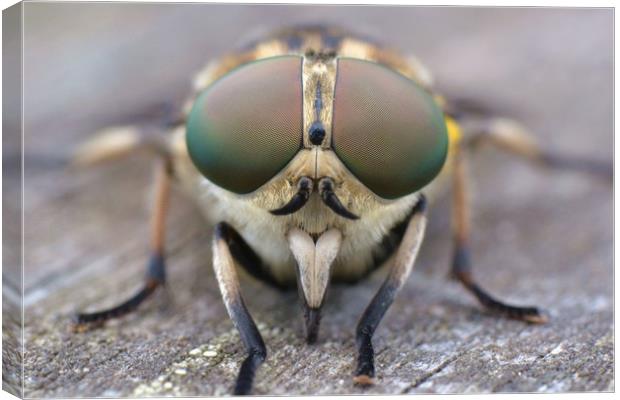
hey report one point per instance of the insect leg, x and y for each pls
(512, 137)
(400, 270)
(227, 279)
(118, 142)
(155, 274)
(461, 263)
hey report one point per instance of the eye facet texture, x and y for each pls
(387, 130)
(246, 126)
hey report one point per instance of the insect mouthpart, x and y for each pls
(305, 186)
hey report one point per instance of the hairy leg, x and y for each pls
(228, 281)
(512, 137)
(461, 264)
(400, 270)
(155, 271)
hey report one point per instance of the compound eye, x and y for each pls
(387, 130)
(246, 126)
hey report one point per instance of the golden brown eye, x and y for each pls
(387, 130)
(246, 126)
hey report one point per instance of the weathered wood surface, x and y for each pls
(539, 237)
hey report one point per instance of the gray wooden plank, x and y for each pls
(540, 237)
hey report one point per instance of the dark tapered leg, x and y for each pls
(461, 270)
(461, 263)
(156, 271)
(510, 136)
(155, 278)
(254, 344)
(365, 371)
(400, 270)
(226, 274)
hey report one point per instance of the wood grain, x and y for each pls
(538, 237)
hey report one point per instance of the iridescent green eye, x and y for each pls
(246, 126)
(387, 130)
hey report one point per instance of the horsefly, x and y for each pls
(313, 153)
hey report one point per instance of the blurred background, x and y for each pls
(539, 236)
